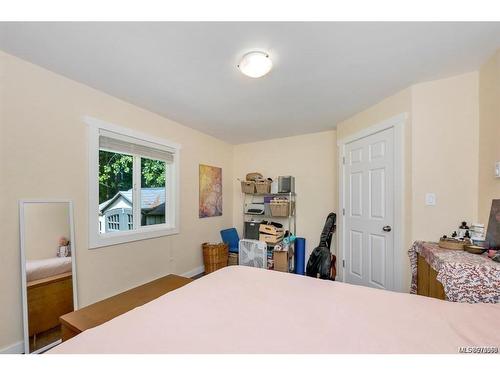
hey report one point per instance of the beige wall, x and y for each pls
(387, 108)
(445, 154)
(312, 159)
(441, 153)
(44, 224)
(43, 154)
(489, 134)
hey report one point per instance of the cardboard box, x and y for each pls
(271, 239)
(271, 229)
(280, 261)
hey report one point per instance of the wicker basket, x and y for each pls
(248, 187)
(263, 187)
(451, 244)
(280, 208)
(233, 259)
(214, 256)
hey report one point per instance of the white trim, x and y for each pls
(398, 124)
(120, 130)
(136, 194)
(16, 348)
(172, 199)
(194, 272)
(399, 205)
(24, 282)
(386, 124)
(47, 347)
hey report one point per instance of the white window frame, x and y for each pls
(172, 194)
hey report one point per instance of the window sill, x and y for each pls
(110, 239)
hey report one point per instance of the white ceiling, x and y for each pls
(322, 73)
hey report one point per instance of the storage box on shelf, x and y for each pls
(271, 234)
(271, 229)
(272, 239)
(281, 207)
(263, 187)
(251, 230)
(248, 187)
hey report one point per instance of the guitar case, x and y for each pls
(322, 263)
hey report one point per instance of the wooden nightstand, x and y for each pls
(100, 312)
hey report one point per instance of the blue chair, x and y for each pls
(230, 236)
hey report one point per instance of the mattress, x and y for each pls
(248, 310)
(42, 268)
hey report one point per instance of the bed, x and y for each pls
(43, 268)
(248, 310)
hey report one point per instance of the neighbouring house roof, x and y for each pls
(106, 204)
(150, 199)
(158, 210)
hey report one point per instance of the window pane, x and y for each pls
(153, 187)
(115, 192)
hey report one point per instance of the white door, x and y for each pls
(369, 210)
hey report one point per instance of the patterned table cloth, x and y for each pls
(465, 277)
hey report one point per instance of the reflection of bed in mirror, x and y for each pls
(50, 295)
(48, 271)
(43, 268)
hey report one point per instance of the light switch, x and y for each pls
(497, 169)
(430, 199)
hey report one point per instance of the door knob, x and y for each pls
(387, 228)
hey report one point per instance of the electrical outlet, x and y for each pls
(430, 199)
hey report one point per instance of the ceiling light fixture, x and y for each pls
(255, 64)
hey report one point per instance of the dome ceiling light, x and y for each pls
(255, 64)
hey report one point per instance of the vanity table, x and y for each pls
(453, 275)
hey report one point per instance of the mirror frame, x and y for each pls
(24, 282)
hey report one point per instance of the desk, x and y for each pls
(100, 312)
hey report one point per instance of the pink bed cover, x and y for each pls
(42, 268)
(248, 310)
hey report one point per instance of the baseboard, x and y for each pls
(17, 348)
(194, 272)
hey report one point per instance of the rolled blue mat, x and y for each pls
(300, 255)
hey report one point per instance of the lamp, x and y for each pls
(255, 64)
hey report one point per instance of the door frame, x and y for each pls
(398, 123)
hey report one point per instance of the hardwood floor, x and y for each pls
(198, 276)
(45, 338)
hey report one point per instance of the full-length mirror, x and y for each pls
(48, 270)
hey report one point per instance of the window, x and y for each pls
(153, 191)
(113, 222)
(130, 220)
(133, 188)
